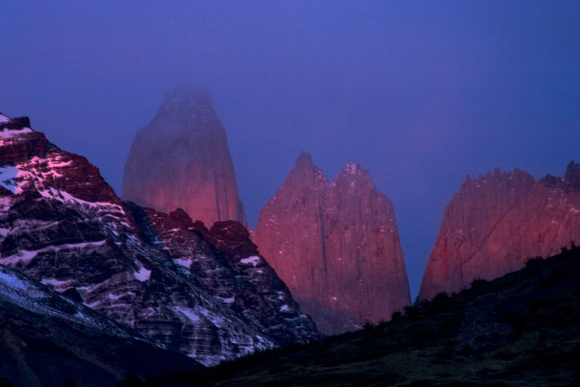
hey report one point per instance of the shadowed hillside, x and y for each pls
(521, 329)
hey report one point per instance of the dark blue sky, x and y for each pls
(420, 93)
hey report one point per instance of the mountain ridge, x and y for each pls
(497, 221)
(519, 329)
(62, 224)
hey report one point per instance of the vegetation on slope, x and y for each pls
(521, 329)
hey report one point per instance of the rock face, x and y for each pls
(497, 221)
(48, 339)
(182, 160)
(336, 246)
(205, 293)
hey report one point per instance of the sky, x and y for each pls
(419, 93)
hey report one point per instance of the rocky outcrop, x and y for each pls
(205, 293)
(50, 340)
(336, 246)
(497, 221)
(182, 160)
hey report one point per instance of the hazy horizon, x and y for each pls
(420, 94)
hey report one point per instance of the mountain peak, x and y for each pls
(351, 167)
(495, 223)
(351, 173)
(186, 105)
(204, 296)
(572, 176)
(335, 245)
(182, 160)
(304, 159)
(189, 95)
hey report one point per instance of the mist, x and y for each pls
(421, 94)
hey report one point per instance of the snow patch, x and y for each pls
(253, 260)
(12, 281)
(188, 313)
(143, 274)
(284, 308)
(3, 118)
(8, 176)
(9, 133)
(23, 256)
(56, 283)
(186, 263)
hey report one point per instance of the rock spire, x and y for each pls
(182, 160)
(335, 245)
(497, 221)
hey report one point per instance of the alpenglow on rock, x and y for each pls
(498, 221)
(336, 246)
(182, 160)
(205, 293)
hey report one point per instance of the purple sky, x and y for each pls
(419, 93)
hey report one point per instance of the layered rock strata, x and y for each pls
(205, 293)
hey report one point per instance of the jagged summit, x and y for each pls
(16, 123)
(304, 159)
(351, 167)
(572, 176)
(499, 220)
(335, 245)
(352, 172)
(206, 293)
(182, 160)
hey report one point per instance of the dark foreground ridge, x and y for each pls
(520, 329)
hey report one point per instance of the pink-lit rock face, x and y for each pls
(206, 293)
(182, 160)
(336, 246)
(498, 221)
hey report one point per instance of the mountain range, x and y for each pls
(171, 273)
(203, 292)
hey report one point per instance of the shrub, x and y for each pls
(534, 262)
(477, 283)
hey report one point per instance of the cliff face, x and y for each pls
(205, 293)
(498, 221)
(182, 160)
(336, 246)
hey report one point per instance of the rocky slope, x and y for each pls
(205, 293)
(182, 160)
(335, 245)
(497, 221)
(519, 330)
(47, 339)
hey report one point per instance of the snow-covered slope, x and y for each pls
(175, 282)
(47, 339)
